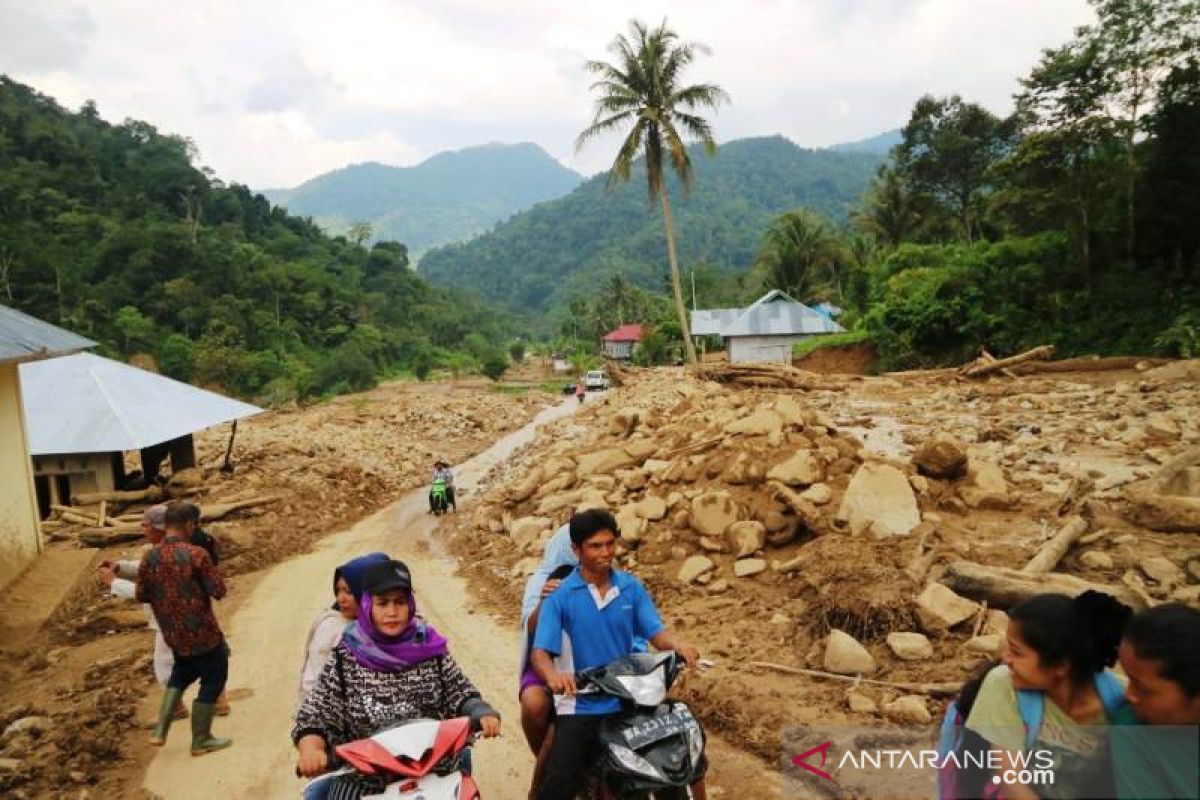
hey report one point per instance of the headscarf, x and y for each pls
(377, 651)
(354, 570)
(558, 553)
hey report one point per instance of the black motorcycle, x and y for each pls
(654, 748)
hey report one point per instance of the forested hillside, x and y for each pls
(447, 198)
(563, 248)
(111, 231)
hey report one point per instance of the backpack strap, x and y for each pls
(1032, 707)
(1112, 693)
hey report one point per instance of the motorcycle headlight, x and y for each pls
(635, 763)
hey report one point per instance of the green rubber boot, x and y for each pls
(166, 714)
(203, 742)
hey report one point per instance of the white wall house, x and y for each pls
(766, 330)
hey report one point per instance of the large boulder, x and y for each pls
(939, 608)
(802, 469)
(762, 422)
(879, 501)
(910, 646)
(845, 656)
(713, 512)
(694, 567)
(631, 524)
(604, 462)
(746, 537)
(526, 529)
(945, 457)
(908, 709)
(651, 507)
(986, 487)
(791, 413)
(525, 489)
(745, 567)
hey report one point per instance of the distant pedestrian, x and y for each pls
(180, 582)
(580, 390)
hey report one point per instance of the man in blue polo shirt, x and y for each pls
(602, 611)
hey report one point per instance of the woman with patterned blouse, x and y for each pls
(389, 667)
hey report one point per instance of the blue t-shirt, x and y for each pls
(600, 631)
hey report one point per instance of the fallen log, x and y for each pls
(777, 375)
(978, 370)
(1051, 552)
(151, 494)
(1164, 502)
(1088, 364)
(103, 537)
(78, 519)
(213, 511)
(931, 689)
(1002, 588)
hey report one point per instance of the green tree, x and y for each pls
(359, 232)
(643, 92)
(801, 255)
(889, 211)
(948, 148)
(516, 351)
(135, 328)
(493, 364)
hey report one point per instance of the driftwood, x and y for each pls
(692, 449)
(777, 375)
(103, 537)
(1088, 364)
(931, 689)
(151, 494)
(213, 511)
(804, 509)
(1165, 502)
(983, 366)
(1051, 552)
(1004, 588)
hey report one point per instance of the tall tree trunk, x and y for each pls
(676, 286)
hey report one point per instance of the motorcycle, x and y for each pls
(654, 748)
(439, 501)
(406, 757)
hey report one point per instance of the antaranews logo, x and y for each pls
(896, 763)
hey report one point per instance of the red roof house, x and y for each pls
(621, 342)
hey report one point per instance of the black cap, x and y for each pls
(386, 576)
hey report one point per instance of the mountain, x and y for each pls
(879, 144)
(447, 198)
(560, 248)
(112, 231)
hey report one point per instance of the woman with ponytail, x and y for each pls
(1052, 693)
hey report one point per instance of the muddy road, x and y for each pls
(269, 626)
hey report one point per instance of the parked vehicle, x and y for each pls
(654, 748)
(595, 380)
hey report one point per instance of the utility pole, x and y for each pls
(693, 288)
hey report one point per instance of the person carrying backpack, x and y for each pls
(1049, 694)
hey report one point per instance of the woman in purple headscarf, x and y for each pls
(331, 623)
(390, 666)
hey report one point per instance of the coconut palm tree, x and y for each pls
(801, 254)
(642, 93)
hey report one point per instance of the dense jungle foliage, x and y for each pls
(1075, 221)
(112, 232)
(541, 258)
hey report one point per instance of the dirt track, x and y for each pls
(268, 628)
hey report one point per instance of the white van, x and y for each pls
(595, 380)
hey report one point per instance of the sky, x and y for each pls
(274, 92)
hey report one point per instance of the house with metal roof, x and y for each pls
(22, 338)
(84, 412)
(766, 330)
(621, 342)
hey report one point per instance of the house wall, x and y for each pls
(618, 349)
(87, 472)
(759, 349)
(20, 535)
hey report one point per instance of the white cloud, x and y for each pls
(276, 91)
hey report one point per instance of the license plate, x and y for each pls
(654, 729)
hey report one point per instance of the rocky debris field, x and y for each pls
(69, 698)
(875, 528)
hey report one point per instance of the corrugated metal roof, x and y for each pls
(776, 314)
(25, 338)
(88, 404)
(711, 321)
(626, 333)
